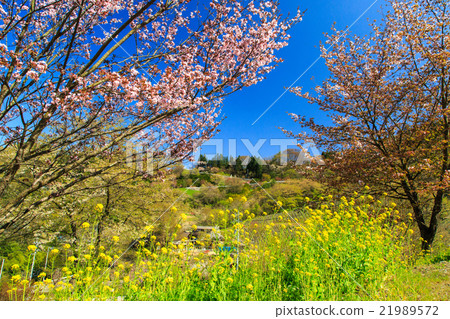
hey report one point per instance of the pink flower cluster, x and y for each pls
(131, 62)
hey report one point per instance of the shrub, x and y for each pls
(234, 185)
(209, 196)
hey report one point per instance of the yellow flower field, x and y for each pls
(340, 250)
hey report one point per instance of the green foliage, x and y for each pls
(277, 260)
(209, 196)
(234, 185)
(238, 169)
(254, 168)
(12, 253)
(269, 184)
(218, 161)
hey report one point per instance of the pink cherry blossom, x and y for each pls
(82, 77)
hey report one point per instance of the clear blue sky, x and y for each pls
(243, 108)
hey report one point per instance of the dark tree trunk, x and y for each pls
(427, 232)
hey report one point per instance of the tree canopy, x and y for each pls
(80, 78)
(388, 98)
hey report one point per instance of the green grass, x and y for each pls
(190, 192)
(345, 250)
(422, 282)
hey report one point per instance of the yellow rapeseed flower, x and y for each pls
(249, 287)
(98, 208)
(107, 288)
(15, 266)
(54, 251)
(66, 246)
(230, 280)
(115, 239)
(24, 282)
(243, 199)
(87, 279)
(173, 209)
(85, 225)
(31, 247)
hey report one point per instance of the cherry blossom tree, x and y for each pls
(388, 99)
(79, 78)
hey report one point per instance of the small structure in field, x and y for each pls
(205, 233)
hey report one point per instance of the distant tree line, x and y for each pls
(249, 166)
